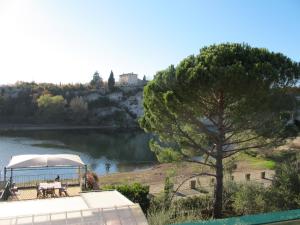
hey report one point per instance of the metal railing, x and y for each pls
(29, 181)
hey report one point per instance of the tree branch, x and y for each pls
(242, 141)
(192, 140)
(201, 163)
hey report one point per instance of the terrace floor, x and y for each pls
(31, 193)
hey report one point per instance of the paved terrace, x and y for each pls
(31, 193)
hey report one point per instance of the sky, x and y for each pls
(66, 41)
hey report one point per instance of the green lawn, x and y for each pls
(257, 162)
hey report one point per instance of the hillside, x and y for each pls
(76, 105)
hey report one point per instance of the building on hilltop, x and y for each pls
(131, 79)
(128, 79)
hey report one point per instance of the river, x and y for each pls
(123, 151)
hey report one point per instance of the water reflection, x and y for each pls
(121, 151)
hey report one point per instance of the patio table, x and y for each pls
(45, 187)
(55, 185)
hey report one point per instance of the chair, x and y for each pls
(50, 191)
(63, 190)
(14, 191)
(39, 192)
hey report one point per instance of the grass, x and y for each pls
(257, 162)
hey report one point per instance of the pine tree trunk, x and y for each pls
(217, 210)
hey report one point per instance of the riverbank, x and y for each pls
(45, 127)
(178, 172)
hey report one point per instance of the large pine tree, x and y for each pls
(229, 98)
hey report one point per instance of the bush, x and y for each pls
(79, 108)
(166, 217)
(230, 189)
(284, 194)
(92, 181)
(51, 107)
(182, 210)
(200, 203)
(136, 192)
(101, 102)
(249, 199)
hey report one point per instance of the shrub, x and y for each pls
(135, 192)
(181, 210)
(92, 181)
(244, 198)
(284, 194)
(51, 107)
(101, 102)
(249, 199)
(79, 108)
(78, 105)
(166, 217)
(230, 188)
(200, 203)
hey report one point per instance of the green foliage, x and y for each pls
(111, 81)
(230, 165)
(79, 108)
(257, 162)
(101, 102)
(230, 188)
(164, 154)
(181, 210)
(78, 105)
(247, 77)
(252, 197)
(245, 198)
(168, 191)
(97, 81)
(33, 103)
(51, 106)
(166, 217)
(249, 199)
(119, 117)
(284, 193)
(228, 97)
(200, 203)
(48, 101)
(135, 192)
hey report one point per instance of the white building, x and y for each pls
(128, 79)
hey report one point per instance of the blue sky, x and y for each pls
(67, 40)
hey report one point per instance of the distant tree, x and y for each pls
(227, 99)
(79, 108)
(51, 107)
(144, 78)
(111, 81)
(97, 81)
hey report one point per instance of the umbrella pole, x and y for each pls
(85, 167)
(79, 176)
(11, 175)
(4, 174)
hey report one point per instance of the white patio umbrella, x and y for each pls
(28, 161)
